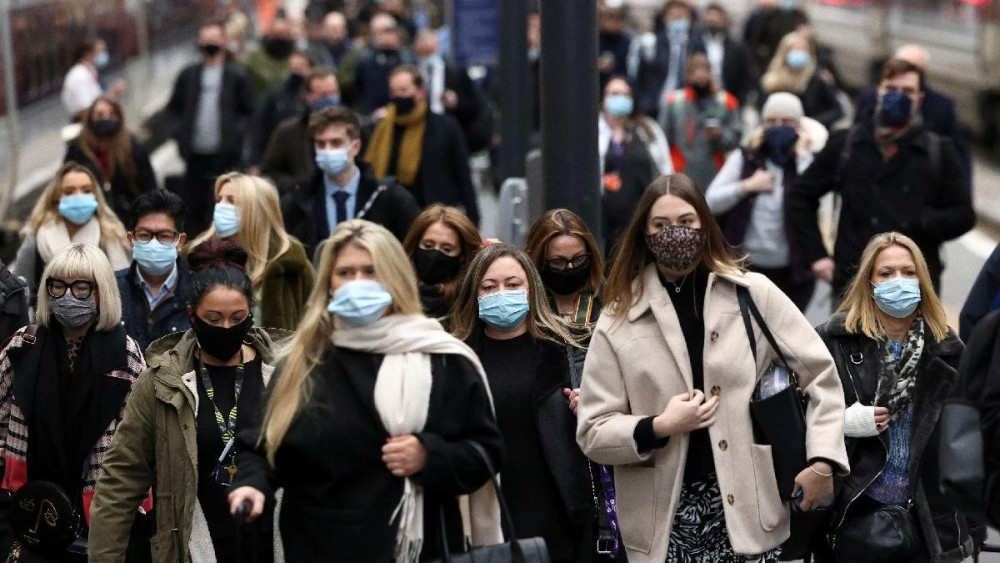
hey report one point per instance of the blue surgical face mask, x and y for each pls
(778, 142)
(326, 102)
(898, 297)
(154, 257)
(797, 58)
(102, 59)
(78, 209)
(226, 219)
(678, 27)
(504, 310)
(895, 109)
(788, 4)
(333, 161)
(619, 105)
(360, 302)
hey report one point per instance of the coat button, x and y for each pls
(715, 336)
(731, 499)
(716, 390)
(723, 445)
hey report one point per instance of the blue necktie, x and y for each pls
(340, 200)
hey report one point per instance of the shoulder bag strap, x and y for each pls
(746, 302)
(743, 295)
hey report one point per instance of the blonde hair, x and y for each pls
(782, 78)
(83, 262)
(46, 208)
(262, 228)
(541, 322)
(859, 305)
(305, 350)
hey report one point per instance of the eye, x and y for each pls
(426, 244)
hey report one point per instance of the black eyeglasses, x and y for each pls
(81, 289)
(560, 264)
(165, 237)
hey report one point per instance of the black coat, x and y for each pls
(979, 386)
(737, 69)
(476, 128)
(236, 105)
(304, 208)
(858, 360)
(556, 428)
(13, 304)
(984, 296)
(903, 194)
(444, 175)
(124, 189)
(938, 113)
(170, 315)
(339, 495)
(819, 101)
(281, 102)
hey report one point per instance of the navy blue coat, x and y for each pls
(983, 298)
(170, 315)
(938, 113)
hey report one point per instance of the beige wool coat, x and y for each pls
(639, 360)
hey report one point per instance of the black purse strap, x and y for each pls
(747, 308)
(515, 548)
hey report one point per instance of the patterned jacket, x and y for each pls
(14, 437)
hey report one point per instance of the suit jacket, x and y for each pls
(638, 360)
(304, 208)
(236, 105)
(938, 112)
(737, 69)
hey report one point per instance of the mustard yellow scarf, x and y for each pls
(410, 149)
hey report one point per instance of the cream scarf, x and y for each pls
(53, 237)
(402, 398)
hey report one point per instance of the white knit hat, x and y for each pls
(783, 104)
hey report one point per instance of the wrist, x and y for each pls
(821, 468)
(660, 429)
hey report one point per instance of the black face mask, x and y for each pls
(403, 105)
(279, 48)
(434, 266)
(702, 90)
(218, 342)
(210, 50)
(106, 127)
(565, 282)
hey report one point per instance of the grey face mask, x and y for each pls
(72, 312)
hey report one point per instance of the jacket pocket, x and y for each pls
(770, 507)
(635, 488)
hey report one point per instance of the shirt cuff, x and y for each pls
(645, 438)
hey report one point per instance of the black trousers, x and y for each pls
(800, 292)
(202, 170)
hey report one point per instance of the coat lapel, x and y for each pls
(656, 299)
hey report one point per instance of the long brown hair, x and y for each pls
(558, 222)
(542, 323)
(119, 147)
(632, 255)
(859, 305)
(454, 219)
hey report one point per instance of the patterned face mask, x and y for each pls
(675, 248)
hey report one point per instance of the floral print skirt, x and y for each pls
(699, 531)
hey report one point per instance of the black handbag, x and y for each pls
(45, 521)
(886, 534)
(779, 420)
(530, 550)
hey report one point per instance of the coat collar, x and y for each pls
(653, 292)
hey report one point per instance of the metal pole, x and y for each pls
(515, 109)
(569, 101)
(10, 94)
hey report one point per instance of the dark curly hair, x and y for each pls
(218, 263)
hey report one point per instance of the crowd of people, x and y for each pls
(309, 351)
